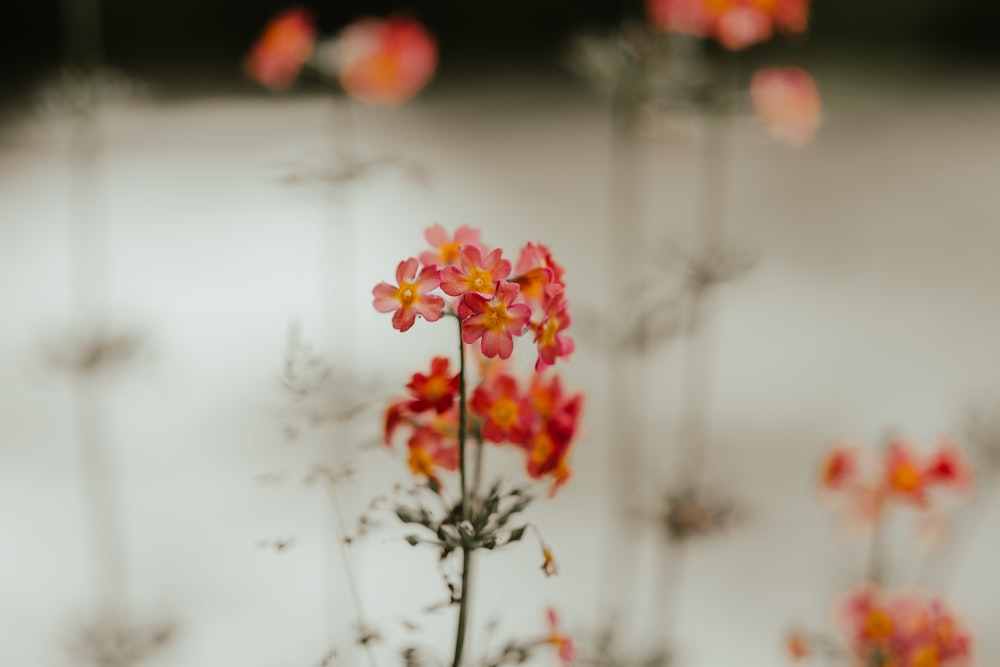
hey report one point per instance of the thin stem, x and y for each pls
(466, 552)
(352, 583)
(477, 467)
(875, 560)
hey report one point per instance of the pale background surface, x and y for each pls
(873, 307)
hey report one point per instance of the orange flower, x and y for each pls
(385, 61)
(736, 24)
(840, 467)
(286, 44)
(796, 646)
(787, 102)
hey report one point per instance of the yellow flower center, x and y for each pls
(480, 280)
(878, 625)
(406, 294)
(542, 449)
(435, 388)
(548, 334)
(926, 656)
(906, 477)
(421, 462)
(496, 318)
(449, 253)
(504, 412)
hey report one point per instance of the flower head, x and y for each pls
(475, 274)
(411, 296)
(507, 415)
(840, 467)
(436, 391)
(496, 321)
(447, 248)
(788, 103)
(552, 343)
(949, 468)
(282, 49)
(385, 61)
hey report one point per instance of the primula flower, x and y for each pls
(285, 45)
(796, 646)
(475, 274)
(552, 344)
(436, 391)
(385, 61)
(447, 248)
(548, 449)
(507, 415)
(840, 467)
(905, 628)
(536, 270)
(788, 103)
(411, 296)
(549, 566)
(736, 24)
(949, 467)
(496, 321)
(563, 644)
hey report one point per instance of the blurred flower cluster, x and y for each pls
(876, 625)
(377, 61)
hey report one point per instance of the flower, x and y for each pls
(904, 476)
(788, 103)
(796, 646)
(549, 566)
(385, 62)
(908, 628)
(840, 467)
(433, 445)
(552, 344)
(448, 247)
(949, 467)
(435, 391)
(474, 273)
(736, 24)
(282, 49)
(410, 298)
(507, 415)
(549, 446)
(496, 321)
(562, 643)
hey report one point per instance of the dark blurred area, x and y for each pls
(198, 43)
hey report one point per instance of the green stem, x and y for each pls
(466, 553)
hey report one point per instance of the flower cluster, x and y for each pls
(494, 306)
(736, 24)
(539, 419)
(377, 61)
(900, 474)
(908, 628)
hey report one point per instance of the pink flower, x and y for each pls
(507, 415)
(741, 27)
(907, 628)
(474, 273)
(552, 344)
(949, 467)
(286, 44)
(386, 61)
(436, 391)
(840, 467)
(411, 296)
(788, 103)
(496, 321)
(447, 248)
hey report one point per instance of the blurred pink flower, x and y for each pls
(447, 248)
(788, 103)
(736, 24)
(905, 628)
(385, 61)
(563, 644)
(282, 49)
